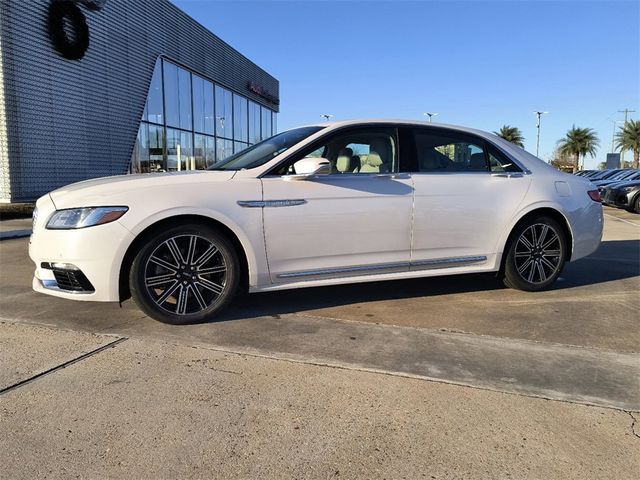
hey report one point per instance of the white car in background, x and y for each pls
(328, 204)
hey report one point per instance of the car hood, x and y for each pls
(112, 190)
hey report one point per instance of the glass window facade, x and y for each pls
(189, 122)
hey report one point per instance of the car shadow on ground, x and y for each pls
(614, 260)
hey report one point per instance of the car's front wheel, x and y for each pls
(635, 205)
(185, 274)
(535, 255)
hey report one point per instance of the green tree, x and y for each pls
(578, 142)
(511, 134)
(628, 138)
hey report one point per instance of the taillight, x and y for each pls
(595, 195)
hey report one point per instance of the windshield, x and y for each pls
(262, 152)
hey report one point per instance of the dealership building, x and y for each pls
(91, 88)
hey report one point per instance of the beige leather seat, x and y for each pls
(344, 162)
(372, 164)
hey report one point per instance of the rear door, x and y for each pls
(466, 192)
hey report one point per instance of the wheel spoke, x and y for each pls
(206, 256)
(211, 270)
(163, 263)
(551, 253)
(209, 285)
(192, 249)
(167, 293)
(543, 234)
(532, 271)
(523, 254)
(550, 241)
(175, 251)
(160, 280)
(524, 266)
(525, 241)
(183, 298)
(199, 298)
(541, 272)
(548, 264)
(534, 239)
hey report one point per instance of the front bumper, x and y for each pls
(96, 252)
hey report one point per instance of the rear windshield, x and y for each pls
(262, 152)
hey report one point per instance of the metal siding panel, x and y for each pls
(71, 120)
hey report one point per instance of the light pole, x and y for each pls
(626, 112)
(326, 116)
(613, 136)
(429, 114)
(538, 115)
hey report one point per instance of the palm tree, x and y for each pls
(579, 142)
(511, 134)
(628, 138)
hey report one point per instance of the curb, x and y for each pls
(14, 234)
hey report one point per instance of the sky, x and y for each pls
(480, 64)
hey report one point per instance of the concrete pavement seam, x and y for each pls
(634, 420)
(62, 365)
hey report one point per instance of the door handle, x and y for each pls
(392, 176)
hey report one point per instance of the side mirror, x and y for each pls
(310, 167)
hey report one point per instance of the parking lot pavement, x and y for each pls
(150, 409)
(577, 343)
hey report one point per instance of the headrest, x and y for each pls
(374, 159)
(343, 163)
(345, 152)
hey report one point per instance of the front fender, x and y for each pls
(248, 230)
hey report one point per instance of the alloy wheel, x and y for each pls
(185, 274)
(538, 253)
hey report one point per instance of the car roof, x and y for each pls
(395, 121)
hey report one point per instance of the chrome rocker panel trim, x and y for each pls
(388, 268)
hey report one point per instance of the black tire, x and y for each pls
(635, 205)
(185, 274)
(528, 266)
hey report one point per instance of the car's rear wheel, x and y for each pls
(535, 255)
(185, 274)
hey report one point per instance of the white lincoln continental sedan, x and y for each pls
(328, 204)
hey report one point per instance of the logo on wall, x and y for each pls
(263, 92)
(68, 27)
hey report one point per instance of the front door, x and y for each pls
(354, 221)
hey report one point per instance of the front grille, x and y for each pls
(72, 280)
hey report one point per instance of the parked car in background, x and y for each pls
(604, 174)
(585, 173)
(626, 174)
(623, 195)
(325, 204)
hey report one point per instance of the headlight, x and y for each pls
(34, 218)
(84, 217)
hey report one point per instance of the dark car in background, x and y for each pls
(623, 195)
